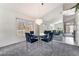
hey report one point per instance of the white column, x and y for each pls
(36, 29)
(77, 27)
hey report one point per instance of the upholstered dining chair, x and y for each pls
(47, 37)
(30, 38)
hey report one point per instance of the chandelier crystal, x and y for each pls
(38, 21)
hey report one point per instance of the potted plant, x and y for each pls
(76, 7)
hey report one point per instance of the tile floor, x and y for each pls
(40, 48)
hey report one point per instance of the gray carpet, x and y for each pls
(40, 48)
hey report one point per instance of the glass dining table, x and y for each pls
(39, 37)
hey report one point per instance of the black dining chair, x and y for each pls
(30, 38)
(31, 32)
(56, 32)
(47, 37)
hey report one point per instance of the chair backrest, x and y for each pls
(51, 35)
(54, 31)
(45, 32)
(49, 31)
(27, 36)
(31, 32)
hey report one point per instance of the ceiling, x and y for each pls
(35, 10)
(55, 15)
(67, 6)
(69, 15)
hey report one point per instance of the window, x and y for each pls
(22, 26)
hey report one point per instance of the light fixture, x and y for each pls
(42, 3)
(38, 21)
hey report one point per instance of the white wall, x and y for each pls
(8, 26)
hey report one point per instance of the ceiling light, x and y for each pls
(38, 21)
(51, 25)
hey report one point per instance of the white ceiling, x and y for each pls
(55, 15)
(69, 14)
(35, 10)
(67, 6)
